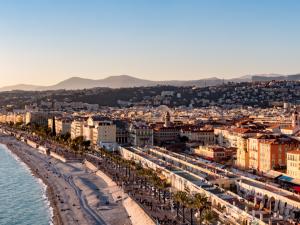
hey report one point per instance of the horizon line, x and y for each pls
(134, 76)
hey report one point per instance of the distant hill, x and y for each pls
(295, 77)
(124, 81)
(121, 81)
(23, 87)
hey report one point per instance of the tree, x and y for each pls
(65, 137)
(208, 216)
(177, 200)
(79, 144)
(86, 144)
(164, 185)
(182, 199)
(191, 206)
(201, 203)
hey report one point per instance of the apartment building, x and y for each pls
(104, 133)
(268, 151)
(252, 146)
(122, 134)
(63, 125)
(242, 156)
(236, 137)
(38, 118)
(140, 135)
(202, 135)
(77, 127)
(165, 135)
(293, 164)
(228, 136)
(12, 117)
(215, 153)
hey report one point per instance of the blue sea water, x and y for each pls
(22, 196)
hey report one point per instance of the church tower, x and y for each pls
(167, 120)
(295, 121)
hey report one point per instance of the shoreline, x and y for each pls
(55, 216)
(76, 195)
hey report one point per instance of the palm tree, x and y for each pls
(191, 206)
(208, 216)
(131, 165)
(176, 197)
(157, 184)
(164, 185)
(201, 203)
(184, 202)
(182, 199)
(142, 173)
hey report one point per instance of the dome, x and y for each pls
(163, 108)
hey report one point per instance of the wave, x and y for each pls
(37, 179)
(45, 199)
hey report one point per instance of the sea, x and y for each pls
(23, 199)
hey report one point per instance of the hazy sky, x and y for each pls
(46, 41)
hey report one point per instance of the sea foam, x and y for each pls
(39, 181)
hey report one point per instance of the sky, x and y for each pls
(46, 41)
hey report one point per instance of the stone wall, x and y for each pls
(56, 156)
(136, 213)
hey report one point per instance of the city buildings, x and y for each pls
(224, 153)
(77, 127)
(104, 133)
(215, 153)
(39, 118)
(122, 134)
(163, 135)
(13, 117)
(268, 152)
(62, 125)
(251, 201)
(203, 136)
(140, 135)
(293, 164)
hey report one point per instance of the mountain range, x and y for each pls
(126, 81)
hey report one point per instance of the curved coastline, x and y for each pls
(62, 188)
(49, 196)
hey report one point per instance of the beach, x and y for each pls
(76, 194)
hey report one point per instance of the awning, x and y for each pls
(296, 188)
(285, 178)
